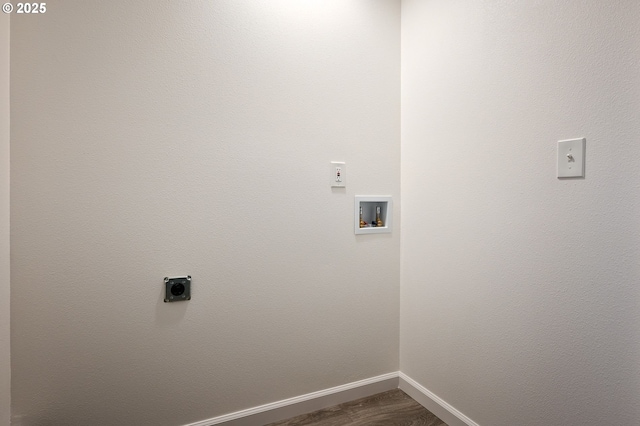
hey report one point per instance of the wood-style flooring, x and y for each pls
(391, 408)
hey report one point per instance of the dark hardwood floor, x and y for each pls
(384, 409)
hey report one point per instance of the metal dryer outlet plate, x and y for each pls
(177, 289)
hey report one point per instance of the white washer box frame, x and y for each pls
(386, 202)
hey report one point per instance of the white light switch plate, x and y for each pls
(338, 174)
(571, 158)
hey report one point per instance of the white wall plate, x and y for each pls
(571, 158)
(338, 174)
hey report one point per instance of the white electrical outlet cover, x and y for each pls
(337, 177)
(571, 158)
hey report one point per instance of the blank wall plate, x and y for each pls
(571, 158)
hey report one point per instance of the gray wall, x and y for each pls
(520, 299)
(153, 139)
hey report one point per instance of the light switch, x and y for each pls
(571, 158)
(338, 174)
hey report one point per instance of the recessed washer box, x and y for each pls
(373, 214)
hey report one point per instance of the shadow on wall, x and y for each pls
(169, 314)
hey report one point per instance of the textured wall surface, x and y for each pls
(165, 138)
(520, 301)
(5, 365)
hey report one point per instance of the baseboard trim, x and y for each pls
(281, 410)
(432, 402)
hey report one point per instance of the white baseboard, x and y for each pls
(281, 410)
(432, 402)
(287, 408)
